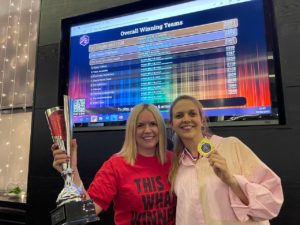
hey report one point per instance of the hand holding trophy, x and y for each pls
(71, 209)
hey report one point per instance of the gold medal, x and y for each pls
(205, 147)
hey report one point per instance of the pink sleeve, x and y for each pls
(260, 184)
(104, 186)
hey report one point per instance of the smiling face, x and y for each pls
(187, 121)
(147, 133)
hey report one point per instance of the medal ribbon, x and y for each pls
(189, 154)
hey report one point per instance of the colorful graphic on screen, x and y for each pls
(214, 51)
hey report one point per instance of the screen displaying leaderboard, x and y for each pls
(221, 52)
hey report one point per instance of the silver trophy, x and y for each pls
(71, 208)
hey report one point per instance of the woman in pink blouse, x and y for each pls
(230, 186)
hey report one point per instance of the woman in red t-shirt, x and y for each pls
(136, 178)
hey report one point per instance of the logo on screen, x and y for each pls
(84, 40)
(94, 118)
(114, 117)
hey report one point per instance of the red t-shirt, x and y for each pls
(140, 192)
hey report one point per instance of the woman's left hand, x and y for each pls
(219, 165)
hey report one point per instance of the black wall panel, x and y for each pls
(277, 146)
(288, 27)
(41, 197)
(94, 148)
(46, 80)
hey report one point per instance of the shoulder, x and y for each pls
(112, 165)
(233, 144)
(116, 157)
(115, 160)
(169, 155)
(227, 140)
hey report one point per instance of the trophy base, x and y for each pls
(73, 213)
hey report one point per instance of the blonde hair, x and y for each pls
(178, 144)
(129, 149)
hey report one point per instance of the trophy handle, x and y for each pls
(69, 136)
(69, 124)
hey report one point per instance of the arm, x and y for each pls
(77, 181)
(257, 181)
(60, 157)
(265, 197)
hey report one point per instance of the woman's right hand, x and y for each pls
(60, 156)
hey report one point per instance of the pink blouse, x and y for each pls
(203, 199)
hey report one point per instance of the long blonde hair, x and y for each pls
(129, 149)
(178, 144)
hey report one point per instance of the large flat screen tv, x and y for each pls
(223, 52)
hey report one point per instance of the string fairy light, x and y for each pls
(17, 43)
(12, 68)
(27, 45)
(3, 95)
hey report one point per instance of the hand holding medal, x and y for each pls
(205, 147)
(217, 162)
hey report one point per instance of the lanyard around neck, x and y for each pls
(189, 154)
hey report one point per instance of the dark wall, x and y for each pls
(278, 146)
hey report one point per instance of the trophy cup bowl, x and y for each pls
(71, 208)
